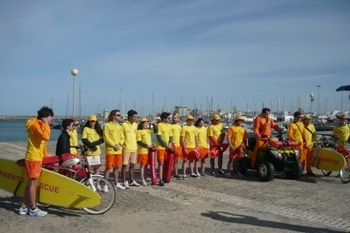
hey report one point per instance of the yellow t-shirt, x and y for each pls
(129, 130)
(91, 135)
(73, 141)
(342, 133)
(176, 130)
(236, 135)
(202, 137)
(113, 135)
(215, 131)
(296, 131)
(189, 133)
(310, 137)
(164, 131)
(143, 135)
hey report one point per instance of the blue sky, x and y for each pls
(238, 53)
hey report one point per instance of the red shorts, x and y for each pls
(238, 152)
(203, 151)
(186, 157)
(142, 159)
(177, 152)
(113, 160)
(162, 155)
(33, 169)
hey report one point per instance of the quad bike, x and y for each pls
(276, 155)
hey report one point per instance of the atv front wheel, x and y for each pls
(266, 171)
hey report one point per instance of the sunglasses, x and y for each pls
(76, 125)
(118, 115)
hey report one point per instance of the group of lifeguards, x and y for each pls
(129, 143)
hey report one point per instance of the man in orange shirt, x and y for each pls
(38, 133)
(262, 131)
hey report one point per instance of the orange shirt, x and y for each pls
(38, 134)
(263, 126)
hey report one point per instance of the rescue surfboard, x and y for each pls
(53, 188)
(327, 159)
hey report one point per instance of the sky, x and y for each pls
(152, 55)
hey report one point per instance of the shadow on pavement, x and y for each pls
(13, 204)
(249, 220)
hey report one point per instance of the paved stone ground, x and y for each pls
(207, 204)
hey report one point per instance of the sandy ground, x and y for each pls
(207, 204)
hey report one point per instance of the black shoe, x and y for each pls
(213, 173)
(177, 176)
(161, 183)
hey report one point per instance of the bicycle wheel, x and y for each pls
(326, 173)
(107, 198)
(345, 174)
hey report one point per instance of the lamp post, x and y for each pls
(318, 99)
(312, 98)
(74, 72)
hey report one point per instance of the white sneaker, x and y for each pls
(198, 175)
(143, 183)
(119, 186)
(98, 187)
(23, 211)
(134, 183)
(37, 212)
(126, 185)
(105, 188)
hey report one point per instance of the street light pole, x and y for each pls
(311, 101)
(318, 97)
(74, 72)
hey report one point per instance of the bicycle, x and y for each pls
(78, 169)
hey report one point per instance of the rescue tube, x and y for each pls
(215, 151)
(280, 144)
(168, 166)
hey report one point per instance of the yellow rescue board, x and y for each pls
(327, 159)
(53, 189)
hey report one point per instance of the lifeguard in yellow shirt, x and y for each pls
(310, 138)
(176, 130)
(114, 140)
(342, 131)
(237, 138)
(296, 132)
(189, 142)
(202, 143)
(164, 143)
(129, 148)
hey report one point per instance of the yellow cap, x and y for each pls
(239, 118)
(144, 119)
(189, 117)
(92, 118)
(307, 117)
(216, 117)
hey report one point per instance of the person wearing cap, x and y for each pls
(176, 130)
(114, 140)
(92, 137)
(164, 143)
(237, 138)
(309, 139)
(189, 142)
(216, 136)
(144, 144)
(342, 131)
(202, 143)
(296, 133)
(262, 131)
(129, 148)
